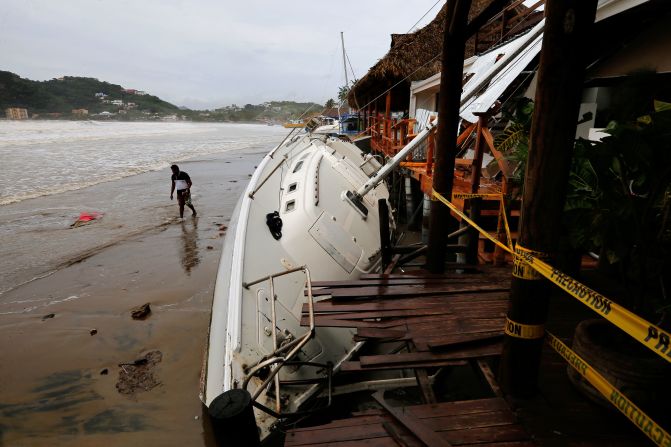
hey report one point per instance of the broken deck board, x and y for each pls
(484, 422)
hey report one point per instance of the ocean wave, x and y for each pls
(69, 157)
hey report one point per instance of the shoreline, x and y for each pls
(54, 389)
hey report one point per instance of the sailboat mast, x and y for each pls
(344, 59)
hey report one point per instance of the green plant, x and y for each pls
(618, 202)
(514, 140)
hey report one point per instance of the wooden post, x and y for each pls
(560, 81)
(387, 118)
(385, 239)
(452, 67)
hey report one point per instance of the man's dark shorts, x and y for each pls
(182, 196)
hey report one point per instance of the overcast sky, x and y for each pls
(204, 53)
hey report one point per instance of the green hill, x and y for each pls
(273, 111)
(59, 97)
(65, 94)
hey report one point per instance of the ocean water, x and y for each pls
(49, 157)
(54, 170)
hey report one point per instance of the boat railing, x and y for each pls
(284, 355)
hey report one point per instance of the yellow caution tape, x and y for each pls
(505, 222)
(463, 195)
(650, 335)
(526, 331)
(521, 269)
(653, 431)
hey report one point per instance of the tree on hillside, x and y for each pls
(329, 104)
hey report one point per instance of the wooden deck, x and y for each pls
(485, 423)
(455, 320)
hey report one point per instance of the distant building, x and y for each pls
(16, 113)
(101, 95)
(80, 113)
(130, 91)
(117, 102)
(104, 115)
(131, 105)
(140, 93)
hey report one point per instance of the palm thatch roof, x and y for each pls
(412, 57)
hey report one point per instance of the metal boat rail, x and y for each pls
(293, 347)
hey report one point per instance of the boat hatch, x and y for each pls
(335, 241)
(290, 206)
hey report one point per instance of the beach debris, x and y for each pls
(232, 181)
(86, 218)
(209, 247)
(104, 372)
(140, 312)
(223, 228)
(138, 375)
(47, 316)
(93, 331)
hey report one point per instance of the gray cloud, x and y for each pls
(203, 53)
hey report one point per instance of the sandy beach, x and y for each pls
(63, 337)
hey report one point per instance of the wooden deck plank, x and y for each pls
(470, 421)
(487, 434)
(481, 423)
(404, 291)
(459, 407)
(400, 281)
(427, 435)
(336, 434)
(355, 365)
(412, 303)
(409, 358)
(377, 418)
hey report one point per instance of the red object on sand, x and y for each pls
(87, 217)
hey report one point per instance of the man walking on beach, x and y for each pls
(182, 183)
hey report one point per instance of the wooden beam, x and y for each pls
(454, 44)
(491, 11)
(568, 24)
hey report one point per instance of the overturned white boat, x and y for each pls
(310, 212)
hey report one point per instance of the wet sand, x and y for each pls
(53, 387)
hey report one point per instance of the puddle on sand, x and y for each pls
(55, 406)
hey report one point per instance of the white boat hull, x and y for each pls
(320, 231)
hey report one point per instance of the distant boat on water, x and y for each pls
(293, 124)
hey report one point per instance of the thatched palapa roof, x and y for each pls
(414, 56)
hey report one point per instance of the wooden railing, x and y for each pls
(388, 136)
